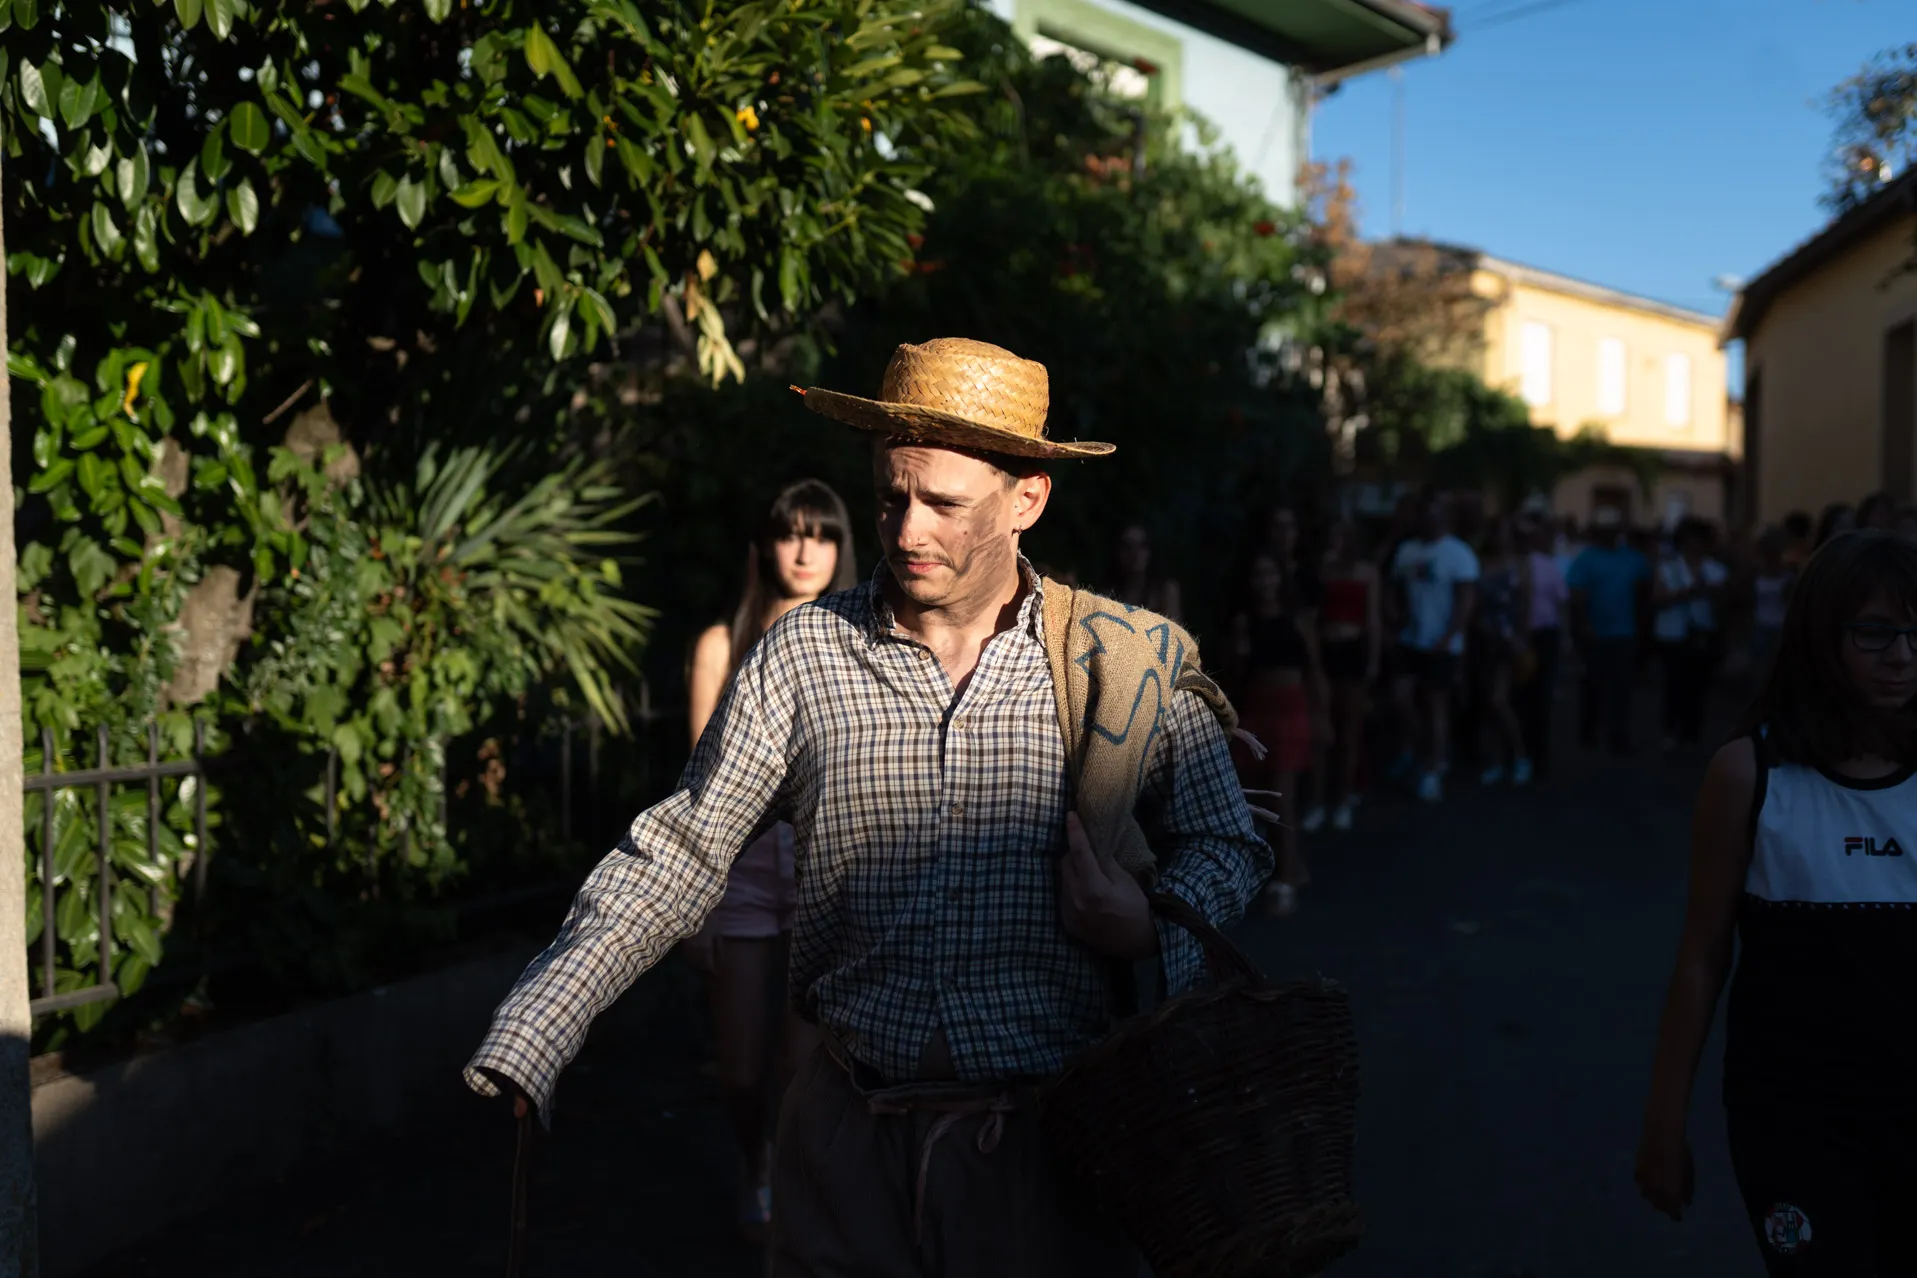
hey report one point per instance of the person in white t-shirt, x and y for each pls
(1435, 577)
(1687, 595)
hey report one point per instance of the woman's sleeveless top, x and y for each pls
(1823, 1009)
(1496, 614)
(1347, 602)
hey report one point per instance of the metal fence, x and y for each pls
(653, 728)
(102, 779)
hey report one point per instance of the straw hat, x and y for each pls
(961, 394)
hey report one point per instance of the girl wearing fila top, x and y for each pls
(1804, 848)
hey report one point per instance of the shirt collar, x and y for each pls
(881, 624)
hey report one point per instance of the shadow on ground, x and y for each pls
(1507, 954)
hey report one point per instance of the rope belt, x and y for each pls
(950, 1101)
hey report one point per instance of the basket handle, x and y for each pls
(1228, 963)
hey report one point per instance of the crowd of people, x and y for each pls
(955, 930)
(1364, 653)
(1357, 655)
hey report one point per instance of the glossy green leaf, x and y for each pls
(475, 194)
(78, 101)
(596, 158)
(561, 330)
(410, 199)
(195, 209)
(140, 937)
(543, 56)
(598, 310)
(223, 364)
(146, 239)
(106, 233)
(33, 89)
(73, 915)
(93, 475)
(249, 128)
(37, 270)
(188, 11)
(243, 206)
(383, 187)
(219, 16)
(130, 176)
(701, 140)
(50, 475)
(437, 10)
(213, 159)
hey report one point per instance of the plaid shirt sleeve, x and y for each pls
(653, 890)
(1196, 820)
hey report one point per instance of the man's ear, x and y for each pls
(1029, 495)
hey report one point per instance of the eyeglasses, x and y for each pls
(1871, 636)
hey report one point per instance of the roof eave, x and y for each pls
(1419, 26)
(1434, 45)
(1896, 199)
(1428, 29)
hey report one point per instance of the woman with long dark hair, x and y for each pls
(803, 549)
(1804, 852)
(1350, 638)
(1498, 626)
(1139, 579)
(1276, 670)
(1687, 593)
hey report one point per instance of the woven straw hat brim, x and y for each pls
(929, 425)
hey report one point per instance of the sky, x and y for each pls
(1649, 145)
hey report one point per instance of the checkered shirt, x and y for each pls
(929, 829)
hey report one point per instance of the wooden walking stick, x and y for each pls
(522, 1176)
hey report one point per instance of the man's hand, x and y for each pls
(521, 1104)
(1104, 907)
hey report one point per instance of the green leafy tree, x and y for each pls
(1876, 112)
(1154, 280)
(415, 221)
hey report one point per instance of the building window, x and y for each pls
(1677, 390)
(1124, 79)
(1611, 377)
(1535, 383)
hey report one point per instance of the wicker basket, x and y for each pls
(1219, 1127)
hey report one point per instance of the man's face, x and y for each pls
(948, 521)
(1431, 521)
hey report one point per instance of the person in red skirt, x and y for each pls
(1278, 674)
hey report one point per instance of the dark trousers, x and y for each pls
(859, 1192)
(1533, 700)
(1610, 672)
(1828, 1194)
(1689, 666)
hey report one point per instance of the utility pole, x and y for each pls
(1397, 151)
(19, 1201)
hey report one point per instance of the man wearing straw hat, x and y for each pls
(958, 930)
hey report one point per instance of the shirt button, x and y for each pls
(958, 809)
(925, 654)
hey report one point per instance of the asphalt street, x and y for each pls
(1506, 953)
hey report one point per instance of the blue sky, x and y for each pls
(1650, 145)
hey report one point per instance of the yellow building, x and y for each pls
(1641, 372)
(1830, 363)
